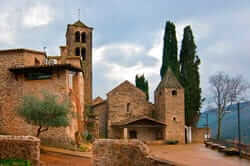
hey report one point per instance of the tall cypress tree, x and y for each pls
(190, 77)
(170, 50)
(142, 84)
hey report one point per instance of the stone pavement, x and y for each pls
(57, 159)
(196, 155)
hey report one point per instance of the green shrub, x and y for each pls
(14, 162)
(171, 142)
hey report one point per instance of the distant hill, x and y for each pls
(229, 123)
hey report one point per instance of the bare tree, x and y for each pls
(226, 91)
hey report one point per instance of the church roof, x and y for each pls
(142, 121)
(127, 84)
(80, 24)
(169, 80)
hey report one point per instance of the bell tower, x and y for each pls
(79, 44)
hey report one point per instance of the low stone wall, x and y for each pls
(111, 152)
(20, 147)
(198, 134)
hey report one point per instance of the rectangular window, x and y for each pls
(38, 75)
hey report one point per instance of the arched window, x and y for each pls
(128, 107)
(77, 51)
(83, 53)
(84, 37)
(174, 93)
(77, 36)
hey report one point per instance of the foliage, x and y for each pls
(142, 84)
(88, 136)
(171, 142)
(226, 90)
(190, 77)
(12, 162)
(170, 50)
(45, 112)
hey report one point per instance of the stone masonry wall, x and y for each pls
(12, 90)
(72, 45)
(107, 152)
(20, 147)
(118, 100)
(100, 111)
(175, 115)
(198, 134)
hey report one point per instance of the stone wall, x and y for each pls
(100, 110)
(175, 115)
(198, 134)
(124, 102)
(107, 152)
(13, 88)
(87, 64)
(20, 147)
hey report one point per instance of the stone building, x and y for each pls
(126, 113)
(29, 72)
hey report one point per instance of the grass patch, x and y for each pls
(14, 162)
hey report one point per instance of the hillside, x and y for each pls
(229, 122)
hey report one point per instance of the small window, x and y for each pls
(83, 53)
(77, 36)
(77, 51)
(37, 62)
(174, 118)
(128, 107)
(174, 93)
(83, 37)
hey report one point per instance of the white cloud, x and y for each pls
(118, 73)
(200, 29)
(38, 15)
(7, 34)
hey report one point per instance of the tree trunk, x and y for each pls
(219, 129)
(39, 130)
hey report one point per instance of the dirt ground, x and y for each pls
(53, 159)
(196, 155)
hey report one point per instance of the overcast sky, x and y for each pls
(128, 34)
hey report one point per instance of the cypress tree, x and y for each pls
(190, 77)
(169, 58)
(142, 84)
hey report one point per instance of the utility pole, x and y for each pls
(207, 124)
(239, 135)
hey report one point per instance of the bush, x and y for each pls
(171, 142)
(13, 162)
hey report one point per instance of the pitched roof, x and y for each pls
(127, 83)
(169, 80)
(80, 24)
(97, 100)
(133, 120)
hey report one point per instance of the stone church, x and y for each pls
(126, 113)
(29, 72)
